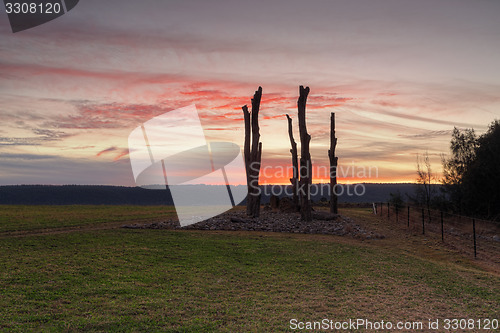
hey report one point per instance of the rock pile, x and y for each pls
(272, 221)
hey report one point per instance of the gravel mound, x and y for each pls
(272, 221)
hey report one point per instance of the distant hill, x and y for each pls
(354, 193)
(118, 195)
(82, 194)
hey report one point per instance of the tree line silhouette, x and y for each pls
(471, 178)
(471, 175)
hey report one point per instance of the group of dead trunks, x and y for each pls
(302, 177)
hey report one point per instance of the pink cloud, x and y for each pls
(105, 151)
(119, 152)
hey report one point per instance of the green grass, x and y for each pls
(126, 280)
(29, 218)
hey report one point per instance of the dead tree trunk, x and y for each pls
(295, 164)
(253, 154)
(305, 158)
(333, 167)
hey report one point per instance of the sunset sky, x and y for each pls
(399, 75)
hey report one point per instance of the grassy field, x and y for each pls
(110, 279)
(23, 218)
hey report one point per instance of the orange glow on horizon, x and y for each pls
(345, 180)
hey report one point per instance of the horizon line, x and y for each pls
(279, 184)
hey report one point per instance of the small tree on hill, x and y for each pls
(425, 177)
(463, 151)
(481, 180)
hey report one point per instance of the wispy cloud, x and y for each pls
(43, 136)
(50, 135)
(117, 152)
(13, 141)
(27, 156)
(427, 135)
(108, 150)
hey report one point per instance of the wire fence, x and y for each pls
(470, 235)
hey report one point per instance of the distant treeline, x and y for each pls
(471, 173)
(118, 195)
(81, 194)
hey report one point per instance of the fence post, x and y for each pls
(442, 227)
(408, 216)
(423, 223)
(397, 214)
(474, 232)
(381, 208)
(388, 211)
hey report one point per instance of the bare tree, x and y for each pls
(333, 167)
(253, 154)
(425, 177)
(305, 158)
(295, 164)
